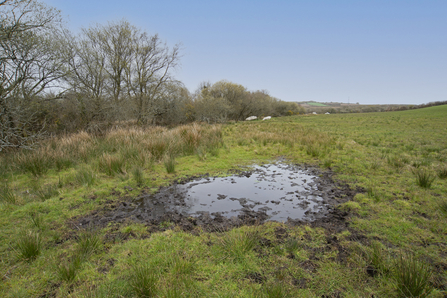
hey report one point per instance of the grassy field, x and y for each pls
(394, 243)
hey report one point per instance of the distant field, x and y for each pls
(316, 104)
(394, 227)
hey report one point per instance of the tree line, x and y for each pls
(52, 80)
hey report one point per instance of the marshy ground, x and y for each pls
(115, 215)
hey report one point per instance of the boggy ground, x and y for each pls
(160, 209)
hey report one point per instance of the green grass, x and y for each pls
(45, 251)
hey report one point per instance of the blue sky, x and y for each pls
(366, 51)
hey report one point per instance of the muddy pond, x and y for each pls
(276, 191)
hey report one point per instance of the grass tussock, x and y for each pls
(424, 178)
(169, 162)
(88, 243)
(7, 195)
(111, 164)
(275, 290)
(138, 175)
(46, 192)
(412, 276)
(85, 177)
(378, 259)
(37, 220)
(68, 270)
(29, 245)
(442, 172)
(237, 243)
(143, 281)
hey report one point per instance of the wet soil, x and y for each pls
(294, 194)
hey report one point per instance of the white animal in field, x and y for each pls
(267, 118)
(327, 113)
(314, 113)
(251, 118)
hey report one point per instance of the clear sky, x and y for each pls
(366, 51)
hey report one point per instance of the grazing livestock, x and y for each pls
(267, 118)
(251, 118)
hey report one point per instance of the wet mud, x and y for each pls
(294, 194)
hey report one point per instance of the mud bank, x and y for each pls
(294, 194)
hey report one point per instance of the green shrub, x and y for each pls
(412, 276)
(143, 281)
(29, 245)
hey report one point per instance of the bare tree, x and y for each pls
(29, 65)
(121, 68)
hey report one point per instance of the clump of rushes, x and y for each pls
(442, 172)
(29, 245)
(36, 220)
(237, 243)
(7, 195)
(275, 290)
(424, 178)
(169, 162)
(67, 271)
(85, 177)
(35, 163)
(291, 246)
(138, 175)
(412, 276)
(111, 164)
(46, 192)
(443, 207)
(143, 281)
(88, 243)
(377, 260)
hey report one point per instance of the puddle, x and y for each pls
(280, 192)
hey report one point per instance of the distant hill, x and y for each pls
(340, 107)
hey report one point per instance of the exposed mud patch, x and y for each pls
(294, 194)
